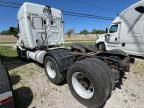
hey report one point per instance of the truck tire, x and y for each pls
(101, 47)
(21, 54)
(1, 61)
(18, 52)
(87, 83)
(52, 70)
(6, 89)
(108, 73)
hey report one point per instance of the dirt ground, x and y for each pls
(89, 37)
(33, 90)
(7, 38)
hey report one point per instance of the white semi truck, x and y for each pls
(90, 74)
(126, 31)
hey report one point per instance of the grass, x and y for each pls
(7, 51)
(69, 41)
(7, 42)
(138, 68)
(11, 52)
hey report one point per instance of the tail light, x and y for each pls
(6, 97)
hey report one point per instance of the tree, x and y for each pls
(70, 32)
(8, 32)
(85, 32)
(94, 31)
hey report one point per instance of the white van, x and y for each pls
(126, 31)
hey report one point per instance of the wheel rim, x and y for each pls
(82, 85)
(100, 47)
(50, 67)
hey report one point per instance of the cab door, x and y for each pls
(55, 32)
(39, 32)
(113, 34)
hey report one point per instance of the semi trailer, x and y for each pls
(91, 75)
(126, 31)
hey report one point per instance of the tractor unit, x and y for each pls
(91, 74)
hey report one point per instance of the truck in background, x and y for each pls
(126, 32)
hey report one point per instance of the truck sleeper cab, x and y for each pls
(39, 25)
(126, 32)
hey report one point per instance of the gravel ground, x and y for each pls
(33, 90)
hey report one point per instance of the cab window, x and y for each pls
(113, 28)
(37, 23)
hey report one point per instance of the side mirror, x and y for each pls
(13, 31)
(140, 9)
(106, 30)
